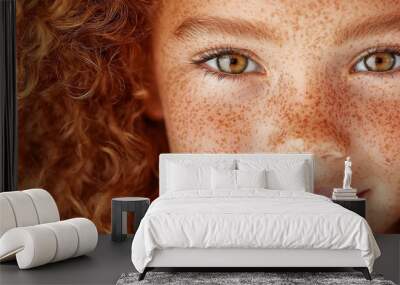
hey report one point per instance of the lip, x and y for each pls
(325, 191)
(363, 193)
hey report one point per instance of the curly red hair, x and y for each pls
(83, 135)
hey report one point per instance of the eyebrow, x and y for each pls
(376, 25)
(192, 27)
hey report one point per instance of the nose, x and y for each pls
(308, 119)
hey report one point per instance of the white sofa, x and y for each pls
(31, 231)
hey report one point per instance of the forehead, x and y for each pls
(286, 16)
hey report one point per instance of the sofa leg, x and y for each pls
(143, 274)
(364, 271)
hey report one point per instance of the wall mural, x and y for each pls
(105, 86)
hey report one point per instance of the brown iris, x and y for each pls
(232, 63)
(380, 61)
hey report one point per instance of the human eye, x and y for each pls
(378, 61)
(228, 61)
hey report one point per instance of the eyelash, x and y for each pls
(218, 51)
(215, 52)
(221, 51)
(372, 50)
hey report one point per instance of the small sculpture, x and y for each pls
(347, 174)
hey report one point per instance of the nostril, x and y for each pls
(328, 149)
(324, 149)
(332, 155)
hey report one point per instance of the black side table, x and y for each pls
(356, 205)
(119, 208)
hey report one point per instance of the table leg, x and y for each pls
(116, 221)
(140, 211)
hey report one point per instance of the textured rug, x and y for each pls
(243, 278)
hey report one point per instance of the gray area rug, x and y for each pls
(273, 278)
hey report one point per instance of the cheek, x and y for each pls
(203, 116)
(374, 128)
(376, 120)
(380, 128)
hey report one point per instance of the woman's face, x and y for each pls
(288, 76)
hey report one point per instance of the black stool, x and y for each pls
(119, 208)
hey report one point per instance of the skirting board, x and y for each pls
(229, 257)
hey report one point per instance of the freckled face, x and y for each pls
(284, 76)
